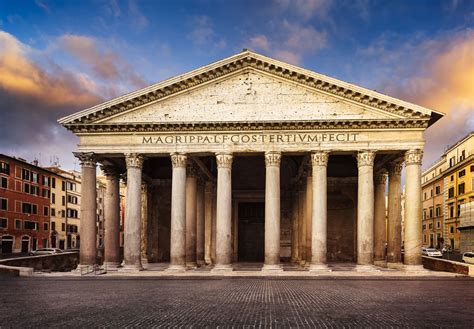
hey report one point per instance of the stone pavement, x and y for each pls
(105, 301)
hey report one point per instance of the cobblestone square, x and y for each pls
(236, 302)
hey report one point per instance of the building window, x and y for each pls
(63, 227)
(46, 211)
(431, 193)
(63, 200)
(29, 225)
(4, 168)
(34, 190)
(451, 211)
(34, 177)
(3, 223)
(53, 198)
(63, 186)
(3, 204)
(472, 168)
(25, 174)
(424, 213)
(431, 226)
(459, 210)
(63, 213)
(451, 162)
(462, 173)
(45, 226)
(45, 180)
(4, 182)
(461, 188)
(17, 224)
(431, 212)
(438, 190)
(29, 208)
(26, 188)
(438, 211)
(424, 226)
(424, 196)
(438, 224)
(53, 226)
(452, 229)
(463, 155)
(45, 193)
(71, 186)
(451, 192)
(53, 212)
(72, 213)
(53, 182)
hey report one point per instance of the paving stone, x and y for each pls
(236, 302)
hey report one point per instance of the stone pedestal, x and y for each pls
(413, 233)
(272, 212)
(178, 213)
(132, 227)
(319, 162)
(88, 229)
(224, 213)
(365, 209)
(111, 218)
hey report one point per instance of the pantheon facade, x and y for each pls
(250, 159)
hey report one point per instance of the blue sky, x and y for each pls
(57, 57)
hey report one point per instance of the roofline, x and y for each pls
(435, 116)
(435, 164)
(30, 164)
(462, 140)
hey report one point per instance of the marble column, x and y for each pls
(380, 228)
(178, 213)
(272, 212)
(302, 222)
(200, 226)
(394, 222)
(214, 226)
(132, 225)
(191, 190)
(145, 223)
(208, 197)
(111, 218)
(88, 229)
(365, 211)
(319, 215)
(413, 232)
(224, 213)
(309, 215)
(294, 226)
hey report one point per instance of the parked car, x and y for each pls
(46, 251)
(431, 252)
(468, 257)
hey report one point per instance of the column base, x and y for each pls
(380, 263)
(395, 266)
(319, 268)
(366, 268)
(415, 269)
(272, 268)
(302, 263)
(222, 268)
(176, 269)
(131, 268)
(191, 265)
(112, 266)
(83, 268)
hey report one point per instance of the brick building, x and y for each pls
(25, 191)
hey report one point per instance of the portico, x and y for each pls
(250, 148)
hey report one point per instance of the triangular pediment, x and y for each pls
(250, 95)
(249, 87)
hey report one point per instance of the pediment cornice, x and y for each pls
(247, 61)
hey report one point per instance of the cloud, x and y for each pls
(437, 73)
(290, 42)
(139, 20)
(102, 63)
(43, 6)
(305, 9)
(203, 34)
(33, 97)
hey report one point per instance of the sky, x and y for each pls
(59, 57)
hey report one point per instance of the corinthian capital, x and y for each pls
(224, 160)
(381, 177)
(365, 158)
(413, 157)
(110, 171)
(320, 158)
(178, 160)
(395, 168)
(87, 160)
(272, 159)
(134, 160)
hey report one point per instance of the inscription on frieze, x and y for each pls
(251, 138)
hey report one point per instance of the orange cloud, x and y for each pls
(19, 75)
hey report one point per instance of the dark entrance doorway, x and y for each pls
(6, 242)
(251, 231)
(25, 244)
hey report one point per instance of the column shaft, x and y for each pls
(178, 213)
(319, 211)
(365, 209)
(200, 227)
(191, 190)
(294, 227)
(132, 229)
(309, 215)
(272, 211)
(380, 229)
(208, 221)
(88, 229)
(413, 232)
(224, 213)
(394, 222)
(111, 218)
(302, 223)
